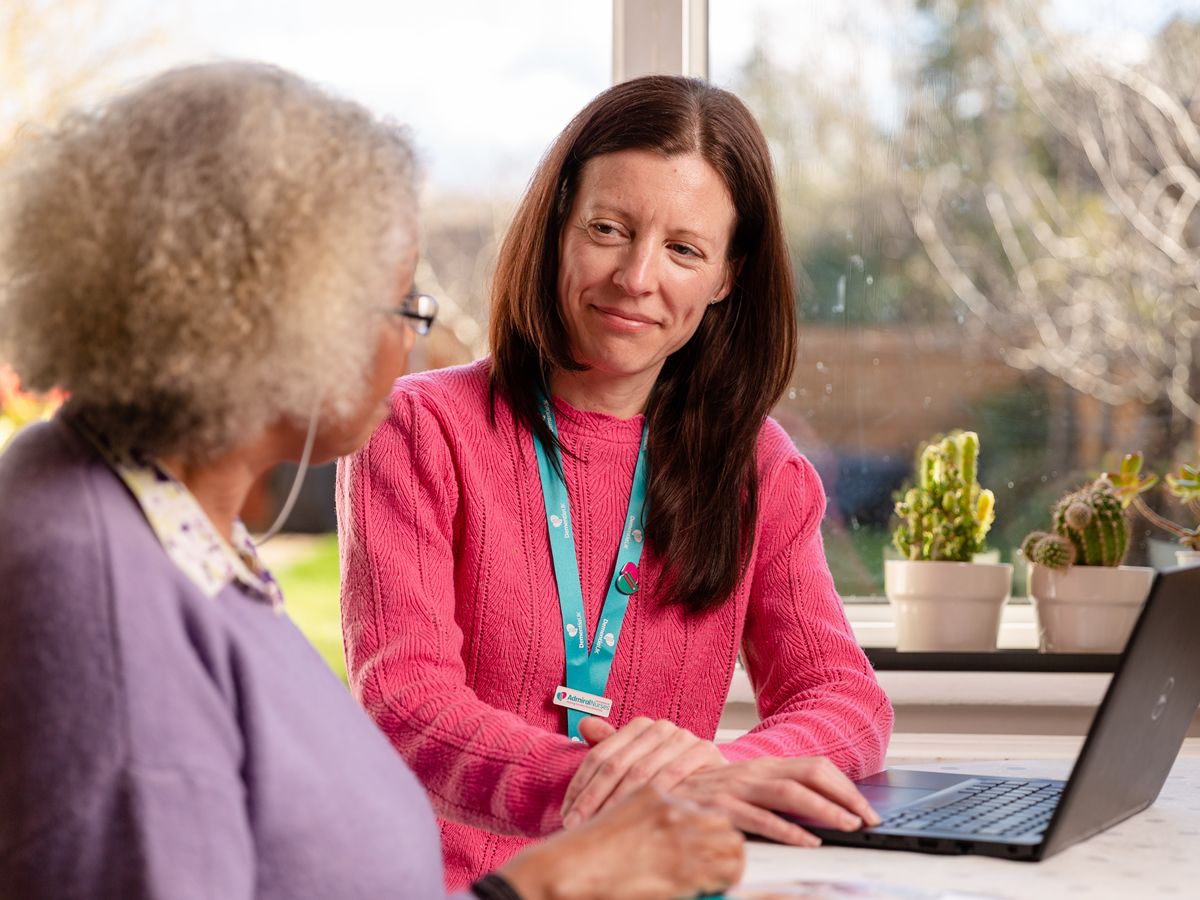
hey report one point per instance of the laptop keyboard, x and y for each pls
(991, 808)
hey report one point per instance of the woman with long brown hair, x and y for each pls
(497, 602)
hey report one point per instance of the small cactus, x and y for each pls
(1094, 521)
(946, 515)
(1089, 529)
(1051, 550)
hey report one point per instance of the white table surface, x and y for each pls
(1154, 854)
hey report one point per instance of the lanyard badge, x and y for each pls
(587, 673)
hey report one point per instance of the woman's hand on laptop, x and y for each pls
(643, 752)
(754, 792)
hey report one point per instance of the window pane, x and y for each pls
(992, 211)
(484, 86)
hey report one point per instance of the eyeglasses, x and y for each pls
(418, 309)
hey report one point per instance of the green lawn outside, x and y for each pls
(855, 557)
(310, 590)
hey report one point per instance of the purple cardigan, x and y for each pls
(158, 743)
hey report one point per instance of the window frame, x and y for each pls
(659, 37)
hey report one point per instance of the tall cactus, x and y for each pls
(1092, 521)
(946, 515)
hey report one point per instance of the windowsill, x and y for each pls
(979, 702)
(948, 694)
(874, 625)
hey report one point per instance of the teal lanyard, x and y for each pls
(588, 672)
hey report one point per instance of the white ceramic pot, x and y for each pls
(1087, 609)
(1187, 557)
(947, 606)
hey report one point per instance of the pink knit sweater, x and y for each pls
(454, 638)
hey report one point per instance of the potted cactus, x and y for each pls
(1086, 600)
(943, 599)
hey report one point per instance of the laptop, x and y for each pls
(1130, 748)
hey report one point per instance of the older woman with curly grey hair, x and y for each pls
(208, 266)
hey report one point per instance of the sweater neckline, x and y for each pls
(584, 423)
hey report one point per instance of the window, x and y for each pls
(991, 206)
(484, 87)
(992, 213)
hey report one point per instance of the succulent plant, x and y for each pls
(1184, 485)
(1128, 482)
(946, 514)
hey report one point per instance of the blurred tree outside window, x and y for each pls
(991, 206)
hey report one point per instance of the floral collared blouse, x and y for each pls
(187, 534)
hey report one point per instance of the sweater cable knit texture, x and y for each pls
(453, 634)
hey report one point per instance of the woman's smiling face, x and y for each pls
(642, 254)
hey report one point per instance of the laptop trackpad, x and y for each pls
(891, 789)
(885, 799)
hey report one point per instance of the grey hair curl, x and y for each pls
(204, 256)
